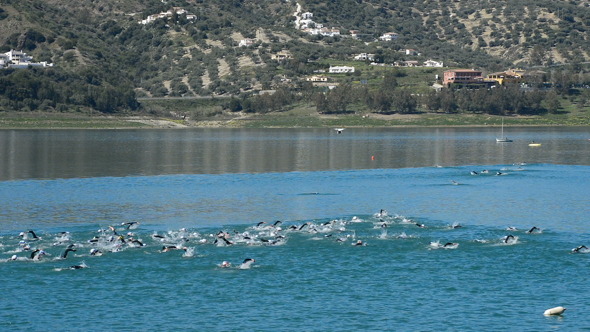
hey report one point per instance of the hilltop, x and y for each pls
(107, 54)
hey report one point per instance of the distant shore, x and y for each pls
(280, 120)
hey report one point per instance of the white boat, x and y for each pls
(502, 138)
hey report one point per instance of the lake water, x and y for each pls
(186, 186)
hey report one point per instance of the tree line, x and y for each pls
(347, 98)
(48, 90)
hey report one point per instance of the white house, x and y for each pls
(169, 13)
(432, 63)
(281, 56)
(365, 57)
(329, 32)
(341, 69)
(19, 59)
(317, 78)
(246, 42)
(18, 56)
(389, 36)
(307, 16)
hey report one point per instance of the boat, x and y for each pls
(534, 144)
(502, 138)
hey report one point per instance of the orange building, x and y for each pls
(509, 76)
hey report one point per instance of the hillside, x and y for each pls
(104, 57)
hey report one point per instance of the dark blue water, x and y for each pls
(310, 277)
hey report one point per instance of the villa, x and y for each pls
(341, 69)
(19, 59)
(389, 36)
(432, 63)
(365, 57)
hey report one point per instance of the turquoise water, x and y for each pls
(311, 279)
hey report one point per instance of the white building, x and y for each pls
(341, 69)
(432, 63)
(169, 13)
(317, 78)
(365, 57)
(329, 32)
(246, 42)
(19, 59)
(323, 31)
(389, 36)
(18, 56)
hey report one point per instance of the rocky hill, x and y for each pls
(107, 52)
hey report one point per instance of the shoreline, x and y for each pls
(15, 121)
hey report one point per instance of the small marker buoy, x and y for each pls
(554, 311)
(372, 157)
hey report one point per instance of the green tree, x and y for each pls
(404, 101)
(552, 102)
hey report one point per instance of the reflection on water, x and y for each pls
(91, 153)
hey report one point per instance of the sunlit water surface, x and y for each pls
(306, 277)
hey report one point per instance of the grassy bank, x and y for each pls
(207, 113)
(64, 121)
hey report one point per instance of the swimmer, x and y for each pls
(25, 237)
(224, 264)
(64, 255)
(130, 225)
(224, 242)
(78, 267)
(509, 239)
(95, 252)
(359, 243)
(37, 254)
(474, 173)
(137, 243)
(580, 249)
(535, 229)
(113, 230)
(168, 248)
(94, 239)
(247, 263)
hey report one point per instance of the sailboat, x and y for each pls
(502, 138)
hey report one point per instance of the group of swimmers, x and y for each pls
(114, 239)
